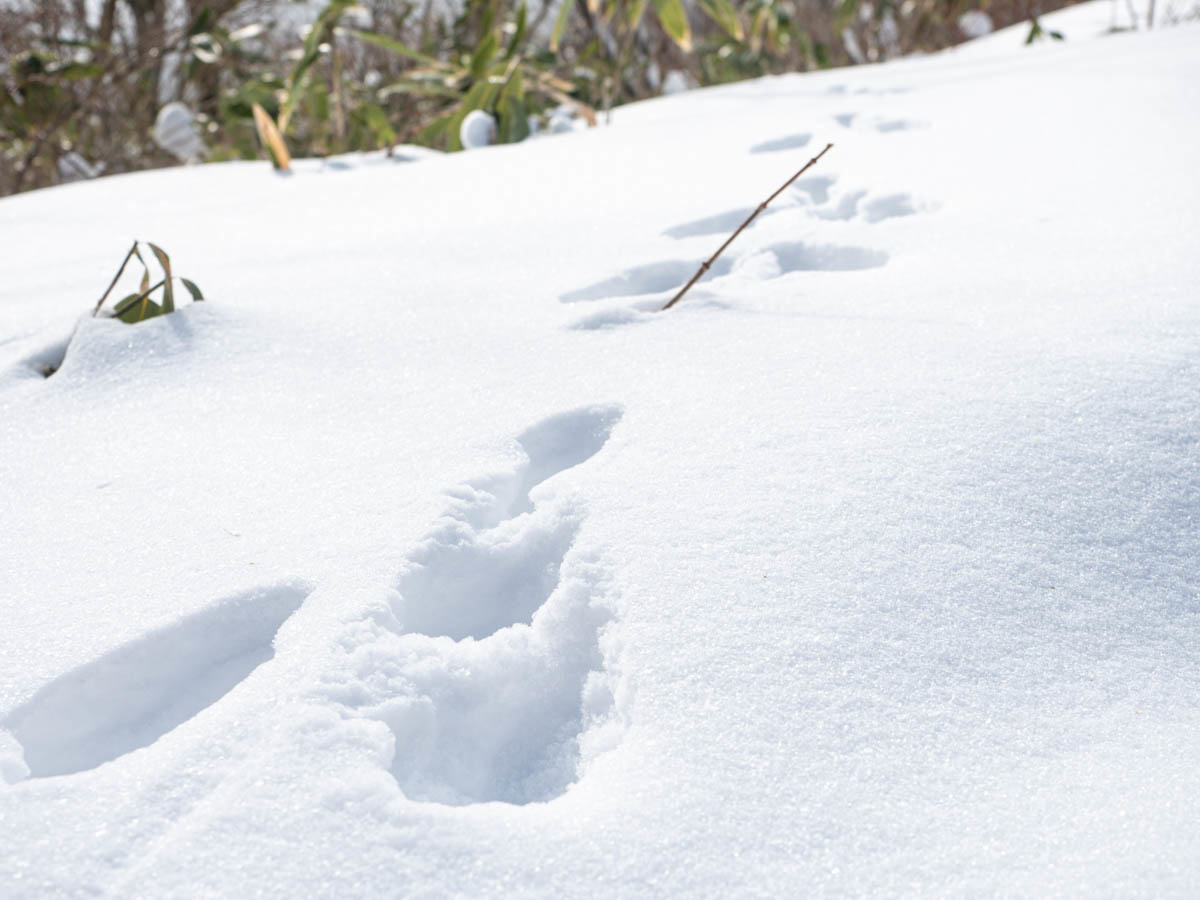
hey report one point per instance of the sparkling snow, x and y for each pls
(426, 557)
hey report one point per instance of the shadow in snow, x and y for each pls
(135, 694)
(790, 142)
(652, 278)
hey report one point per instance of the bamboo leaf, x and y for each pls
(635, 13)
(270, 138)
(393, 46)
(421, 88)
(673, 18)
(138, 307)
(312, 50)
(127, 301)
(484, 52)
(724, 14)
(143, 309)
(519, 35)
(168, 303)
(560, 24)
(192, 289)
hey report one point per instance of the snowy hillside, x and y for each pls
(426, 558)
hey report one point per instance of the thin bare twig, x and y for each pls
(704, 266)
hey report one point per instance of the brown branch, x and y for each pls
(704, 266)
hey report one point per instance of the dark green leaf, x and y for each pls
(513, 124)
(192, 289)
(484, 52)
(519, 34)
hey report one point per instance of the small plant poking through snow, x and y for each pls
(140, 305)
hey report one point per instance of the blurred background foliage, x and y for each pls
(84, 81)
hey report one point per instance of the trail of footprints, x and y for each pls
(819, 197)
(498, 668)
(494, 669)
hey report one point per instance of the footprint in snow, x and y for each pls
(498, 669)
(139, 692)
(654, 278)
(644, 289)
(787, 142)
(881, 124)
(818, 193)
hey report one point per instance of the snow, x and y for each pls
(426, 557)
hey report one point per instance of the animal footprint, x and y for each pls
(889, 207)
(802, 257)
(815, 187)
(851, 206)
(816, 196)
(135, 694)
(654, 278)
(498, 668)
(882, 124)
(721, 223)
(465, 583)
(790, 142)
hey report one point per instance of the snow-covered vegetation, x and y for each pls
(427, 557)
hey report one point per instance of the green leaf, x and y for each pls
(673, 18)
(193, 289)
(377, 122)
(484, 52)
(392, 46)
(127, 301)
(436, 133)
(168, 304)
(560, 24)
(146, 309)
(423, 88)
(138, 307)
(513, 124)
(519, 34)
(635, 13)
(724, 14)
(312, 50)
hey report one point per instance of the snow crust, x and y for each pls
(426, 558)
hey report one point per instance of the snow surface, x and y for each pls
(426, 558)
